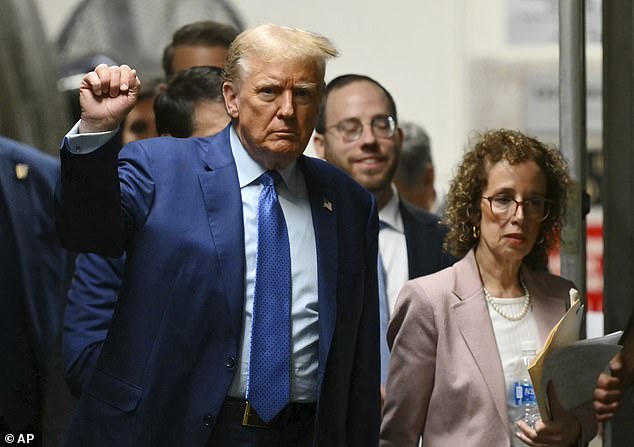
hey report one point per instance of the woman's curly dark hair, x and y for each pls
(465, 193)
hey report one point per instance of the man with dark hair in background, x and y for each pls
(414, 177)
(191, 105)
(196, 44)
(357, 131)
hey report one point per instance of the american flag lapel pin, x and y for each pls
(21, 171)
(328, 204)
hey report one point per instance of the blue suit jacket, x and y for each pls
(175, 208)
(42, 262)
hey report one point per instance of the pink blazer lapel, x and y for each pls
(472, 318)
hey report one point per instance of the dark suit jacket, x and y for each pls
(424, 236)
(42, 262)
(175, 207)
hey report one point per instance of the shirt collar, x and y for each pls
(249, 170)
(391, 213)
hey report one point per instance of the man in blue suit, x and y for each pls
(357, 131)
(32, 284)
(177, 366)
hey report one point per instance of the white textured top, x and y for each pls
(509, 336)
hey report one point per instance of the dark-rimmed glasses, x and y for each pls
(504, 206)
(351, 129)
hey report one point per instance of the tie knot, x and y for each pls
(270, 178)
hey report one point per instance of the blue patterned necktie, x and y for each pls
(268, 387)
(384, 314)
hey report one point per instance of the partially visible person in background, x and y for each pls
(33, 281)
(140, 122)
(414, 177)
(190, 105)
(456, 335)
(197, 44)
(612, 386)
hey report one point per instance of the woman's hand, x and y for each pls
(563, 430)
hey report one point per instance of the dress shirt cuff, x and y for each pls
(85, 143)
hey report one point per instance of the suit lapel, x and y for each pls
(472, 318)
(415, 242)
(223, 203)
(324, 211)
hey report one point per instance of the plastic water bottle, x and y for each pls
(524, 394)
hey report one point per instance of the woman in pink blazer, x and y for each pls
(455, 335)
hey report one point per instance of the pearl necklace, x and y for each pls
(498, 309)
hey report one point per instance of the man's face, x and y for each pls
(372, 159)
(275, 108)
(187, 56)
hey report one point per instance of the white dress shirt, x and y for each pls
(393, 248)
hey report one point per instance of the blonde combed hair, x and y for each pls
(270, 43)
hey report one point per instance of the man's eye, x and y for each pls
(266, 92)
(349, 125)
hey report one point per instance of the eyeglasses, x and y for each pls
(351, 129)
(504, 207)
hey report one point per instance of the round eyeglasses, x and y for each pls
(351, 129)
(504, 207)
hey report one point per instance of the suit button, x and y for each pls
(230, 362)
(208, 420)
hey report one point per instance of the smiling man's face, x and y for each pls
(371, 159)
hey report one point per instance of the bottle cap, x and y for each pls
(528, 345)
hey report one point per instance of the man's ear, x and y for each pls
(319, 145)
(230, 93)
